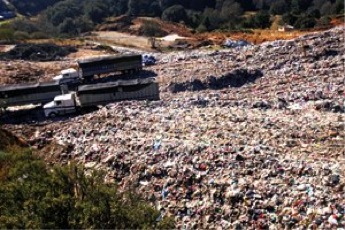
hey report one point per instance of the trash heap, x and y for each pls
(214, 166)
(304, 72)
(268, 154)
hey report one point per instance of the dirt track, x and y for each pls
(123, 39)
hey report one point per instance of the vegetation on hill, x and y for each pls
(36, 196)
(30, 8)
(72, 17)
(3, 6)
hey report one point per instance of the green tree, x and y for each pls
(96, 11)
(6, 34)
(204, 25)
(212, 19)
(25, 25)
(68, 26)
(32, 7)
(305, 22)
(151, 29)
(33, 195)
(175, 13)
(231, 10)
(326, 9)
(289, 18)
(278, 7)
(164, 4)
(295, 9)
(262, 20)
(339, 7)
(133, 8)
(324, 21)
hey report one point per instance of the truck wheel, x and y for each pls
(52, 115)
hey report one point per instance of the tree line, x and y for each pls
(72, 17)
(36, 196)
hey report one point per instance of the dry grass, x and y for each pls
(60, 42)
(256, 36)
(260, 36)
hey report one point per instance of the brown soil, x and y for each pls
(7, 140)
(126, 26)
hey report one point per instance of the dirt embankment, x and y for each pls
(127, 31)
(7, 139)
(41, 61)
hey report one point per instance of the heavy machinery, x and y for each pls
(101, 94)
(22, 94)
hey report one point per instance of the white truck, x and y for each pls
(96, 66)
(101, 94)
(68, 76)
(62, 105)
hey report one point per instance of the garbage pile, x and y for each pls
(38, 52)
(235, 78)
(265, 153)
(217, 166)
(229, 43)
(304, 72)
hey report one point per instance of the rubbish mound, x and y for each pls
(38, 52)
(229, 43)
(235, 78)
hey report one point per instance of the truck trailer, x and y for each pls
(69, 79)
(23, 94)
(96, 66)
(102, 94)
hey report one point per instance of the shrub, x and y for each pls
(6, 34)
(36, 196)
(324, 21)
(305, 22)
(175, 13)
(21, 35)
(151, 29)
(39, 35)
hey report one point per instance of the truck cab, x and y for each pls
(68, 76)
(62, 104)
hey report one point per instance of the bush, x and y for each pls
(262, 20)
(201, 28)
(175, 13)
(324, 21)
(24, 25)
(36, 196)
(278, 7)
(259, 20)
(6, 34)
(39, 35)
(305, 22)
(21, 35)
(289, 18)
(151, 29)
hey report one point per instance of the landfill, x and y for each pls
(247, 138)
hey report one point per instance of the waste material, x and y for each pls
(267, 153)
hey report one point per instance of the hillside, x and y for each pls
(241, 138)
(68, 18)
